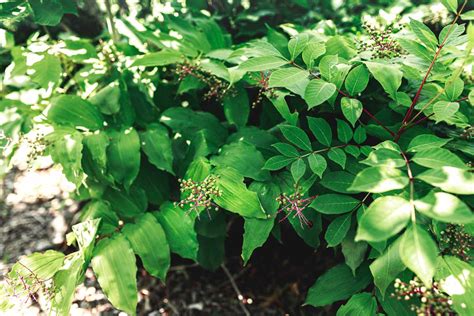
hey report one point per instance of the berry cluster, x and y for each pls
(36, 145)
(424, 301)
(199, 195)
(217, 87)
(456, 242)
(262, 82)
(380, 42)
(295, 204)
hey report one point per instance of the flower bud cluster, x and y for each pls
(295, 204)
(199, 195)
(217, 87)
(262, 82)
(456, 242)
(380, 42)
(424, 301)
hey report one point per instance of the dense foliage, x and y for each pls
(353, 131)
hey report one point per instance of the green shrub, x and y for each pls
(358, 138)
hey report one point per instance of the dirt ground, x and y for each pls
(36, 213)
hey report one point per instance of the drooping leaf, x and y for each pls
(384, 157)
(352, 109)
(297, 44)
(418, 252)
(389, 76)
(424, 34)
(357, 80)
(338, 181)
(123, 156)
(156, 144)
(179, 229)
(115, 268)
(278, 162)
(387, 267)
(148, 240)
(426, 141)
(317, 164)
(262, 63)
(338, 156)
(338, 283)
(344, 131)
(236, 107)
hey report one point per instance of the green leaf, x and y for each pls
(424, 34)
(416, 49)
(99, 209)
(47, 12)
(278, 162)
(257, 231)
(236, 107)
(287, 77)
(379, 180)
(338, 156)
(65, 281)
(438, 158)
(66, 149)
(148, 240)
(338, 229)
(244, 158)
(444, 207)
(426, 141)
(334, 203)
(359, 304)
(161, 58)
(389, 76)
(352, 109)
(450, 179)
(262, 63)
(312, 51)
(309, 234)
(211, 252)
(47, 71)
(179, 230)
(337, 284)
(344, 131)
(451, 5)
(444, 110)
(286, 150)
(298, 169)
(318, 91)
(357, 80)
(384, 218)
(123, 156)
(338, 181)
(360, 135)
(297, 44)
(321, 130)
(71, 110)
(387, 267)
(384, 157)
(115, 268)
(43, 265)
(107, 99)
(456, 278)
(317, 164)
(235, 196)
(468, 16)
(418, 252)
(296, 136)
(454, 88)
(126, 205)
(156, 144)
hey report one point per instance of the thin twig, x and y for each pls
(236, 289)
